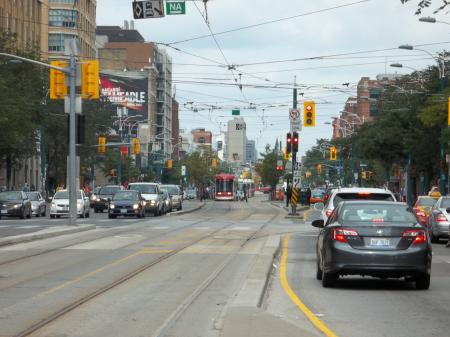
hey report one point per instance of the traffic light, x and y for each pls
(319, 168)
(333, 153)
(309, 113)
(214, 163)
(295, 142)
(112, 172)
(169, 164)
(58, 88)
(287, 155)
(89, 79)
(136, 146)
(288, 142)
(101, 144)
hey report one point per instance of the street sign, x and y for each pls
(148, 9)
(297, 174)
(183, 170)
(235, 112)
(174, 7)
(288, 166)
(294, 117)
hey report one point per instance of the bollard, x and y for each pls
(294, 199)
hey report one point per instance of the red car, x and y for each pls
(266, 189)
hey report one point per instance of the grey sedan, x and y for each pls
(439, 219)
(38, 204)
(373, 238)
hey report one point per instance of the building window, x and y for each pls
(201, 140)
(56, 41)
(62, 18)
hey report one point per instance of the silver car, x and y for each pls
(38, 204)
(175, 195)
(60, 204)
(439, 219)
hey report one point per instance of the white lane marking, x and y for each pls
(240, 228)
(5, 226)
(160, 227)
(28, 226)
(200, 228)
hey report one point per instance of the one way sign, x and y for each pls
(148, 9)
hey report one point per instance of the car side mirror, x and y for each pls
(447, 210)
(318, 223)
(319, 206)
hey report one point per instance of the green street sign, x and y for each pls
(236, 112)
(175, 7)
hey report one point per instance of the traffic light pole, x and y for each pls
(293, 153)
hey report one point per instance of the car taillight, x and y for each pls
(229, 193)
(419, 212)
(340, 234)
(441, 218)
(219, 193)
(325, 197)
(419, 235)
(328, 212)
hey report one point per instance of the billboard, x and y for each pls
(126, 89)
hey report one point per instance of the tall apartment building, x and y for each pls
(68, 19)
(250, 151)
(236, 141)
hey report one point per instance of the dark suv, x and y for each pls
(104, 196)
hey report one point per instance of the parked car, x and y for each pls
(127, 203)
(167, 202)
(175, 195)
(93, 196)
(38, 204)
(190, 193)
(374, 238)
(352, 193)
(15, 204)
(439, 219)
(422, 207)
(152, 195)
(104, 196)
(316, 196)
(60, 204)
(266, 189)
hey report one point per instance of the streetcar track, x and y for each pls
(70, 307)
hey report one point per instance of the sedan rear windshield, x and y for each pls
(426, 202)
(143, 188)
(377, 214)
(34, 196)
(109, 190)
(361, 196)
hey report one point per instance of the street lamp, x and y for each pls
(399, 65)
(431, 19)
(441, 68)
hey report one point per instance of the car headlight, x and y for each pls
(112, 206)
(53, 204)
(97, 199)
(135, 206)
(93, 197)
(152, 202)
(17, 205)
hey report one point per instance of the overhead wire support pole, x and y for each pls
(72, 141)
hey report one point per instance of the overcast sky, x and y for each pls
(306, 29)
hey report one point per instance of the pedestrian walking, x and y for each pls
(26, 188)
(288, 194)
(245, 193)
(308, 196)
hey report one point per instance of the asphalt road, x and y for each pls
(16, 226)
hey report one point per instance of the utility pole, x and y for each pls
(72, 138)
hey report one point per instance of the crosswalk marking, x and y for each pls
(160, 227)
(201, 228)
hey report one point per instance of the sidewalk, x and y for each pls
(282, 204)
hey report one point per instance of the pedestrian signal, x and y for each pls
(136, 146)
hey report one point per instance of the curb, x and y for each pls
(299, 209)
(254, 288)
(188, 210)
(44, 234)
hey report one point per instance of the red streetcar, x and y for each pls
(225, 186)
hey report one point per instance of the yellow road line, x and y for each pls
(96, 271)
(293, 296)
(306, 215)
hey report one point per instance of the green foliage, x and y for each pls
(423, 4)
(267, 167)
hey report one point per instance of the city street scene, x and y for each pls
(224, 168)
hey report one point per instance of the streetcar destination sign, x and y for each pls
(148, 9)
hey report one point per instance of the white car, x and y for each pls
(60, 204)
(352, 193)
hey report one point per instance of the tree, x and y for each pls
(423, 4)
(22, 88)
(267, 167)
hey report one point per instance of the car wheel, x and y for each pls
(423, 282)
(434, 238)
(319, 273)
(82, 215)
(52, 216)
(328, 280)
(88, 214)
(22, 215)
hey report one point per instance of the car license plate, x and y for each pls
(380, 242)
(4, 211)
(123, 211)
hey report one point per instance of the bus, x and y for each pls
(225, 186)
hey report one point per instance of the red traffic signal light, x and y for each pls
(309, 113)
(288, 142)
(295, 142)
